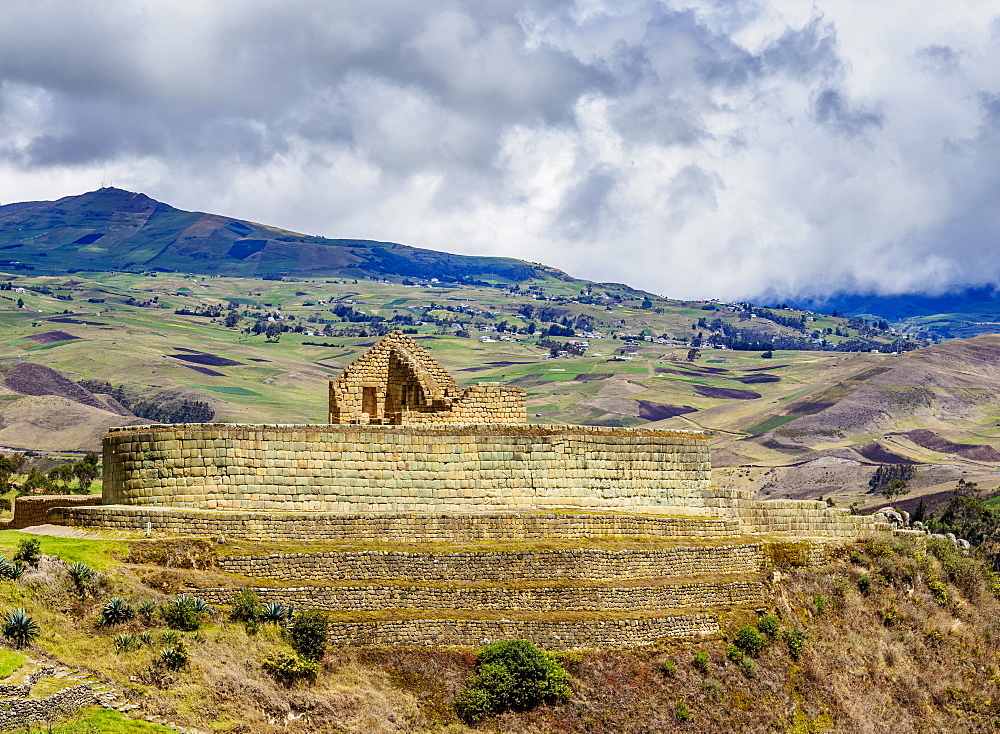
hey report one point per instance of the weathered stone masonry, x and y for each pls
(406, 468)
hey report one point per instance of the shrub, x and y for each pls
(939, 591)
(29, 551)
(116, 611)
(184, 613)
(290, 670)
(307, 633)
(795, 638)
(820, 602)
(864, 583)
(700, 662)
(890, 616)
(683, 714)
(512, 675)
(173, 658)
(749, 640)
(769, 625)
(19, 628)
(668, 669)
(80, 574)
(748, 667)
(734, 653)
(246, 607)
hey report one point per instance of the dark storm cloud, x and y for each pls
(792, 147)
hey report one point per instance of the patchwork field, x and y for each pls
(163, 339)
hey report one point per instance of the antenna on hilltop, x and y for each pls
(104, 176)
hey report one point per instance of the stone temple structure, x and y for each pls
(450, 520)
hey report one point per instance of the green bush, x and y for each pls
(246, 607)
(307, 633)
(29, 551)
(820, 602)
(147, 610)
(512, 675)
(290, 670)
(116, 611)
(795, 639)
(769, 625)
(683, 714)
(749, 640)
(700, 662)
(668, 669)
(734, 653)
(19, 628)
(939, 591)
(748, 667)
(184, 613)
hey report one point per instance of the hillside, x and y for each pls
(895, 640)
(113, 229)
(160, 344)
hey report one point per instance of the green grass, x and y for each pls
(99, 554)
(9, 662)
(769, 424)
(95, 721)
(229, 390)
(47, 686)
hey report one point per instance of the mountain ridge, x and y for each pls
(115, 229)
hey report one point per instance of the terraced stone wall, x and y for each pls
(394, 528)
(512, 599)
(391, 469)
(550, 635)
(583, 563)
(30, 511)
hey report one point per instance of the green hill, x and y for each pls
(113, 229)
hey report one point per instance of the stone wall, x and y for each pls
(362, 597)
(395, 528)
(549, 635)
(407, 469)
(20, 711)
(30, 511)
(397, 382)
(582, 563)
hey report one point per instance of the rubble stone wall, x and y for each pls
(582, 563)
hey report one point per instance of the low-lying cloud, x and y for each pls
(696, 149)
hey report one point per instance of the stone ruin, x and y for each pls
(417, 482)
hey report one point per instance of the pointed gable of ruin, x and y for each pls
(398, 382)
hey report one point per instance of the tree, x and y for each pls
(895, 487)
(693, 354)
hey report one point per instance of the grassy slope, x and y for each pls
(889, 660)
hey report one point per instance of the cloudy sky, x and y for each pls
(694, 148)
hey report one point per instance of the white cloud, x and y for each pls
(697, 149)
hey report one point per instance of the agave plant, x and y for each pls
(200, 606)
(170, 639)
(275, 612)
(184, 613)
(19, 628)
(145, 639)
(147, 610)
(124, 643)
(80, 573)
(174, 657)
(4, 565)
(16, 570)
(116, 611)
